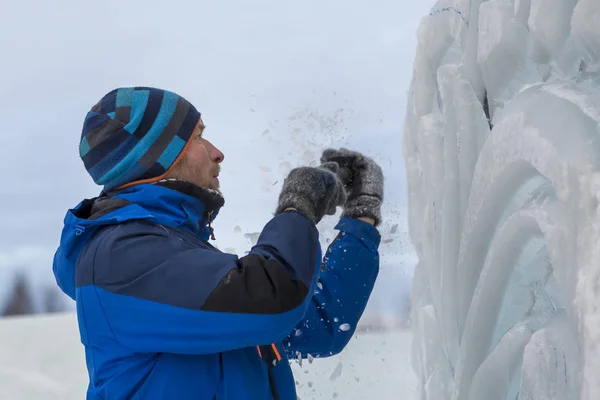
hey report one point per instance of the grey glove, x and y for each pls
(363, 179)
(314, 191)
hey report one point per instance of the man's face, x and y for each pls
(200, 164)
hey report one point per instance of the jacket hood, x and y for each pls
(170, 203)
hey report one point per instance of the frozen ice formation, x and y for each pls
(502, 149)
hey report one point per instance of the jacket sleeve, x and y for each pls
(349, 271)
(159, 294)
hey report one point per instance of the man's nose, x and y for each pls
(215, 154)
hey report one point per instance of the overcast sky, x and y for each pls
(275, 81)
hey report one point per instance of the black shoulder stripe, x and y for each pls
(257, 286)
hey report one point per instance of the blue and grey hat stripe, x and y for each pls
(135, 134)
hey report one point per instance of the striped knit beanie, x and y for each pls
(135, 135)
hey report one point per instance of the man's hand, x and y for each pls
(363, 180)
(314, 191)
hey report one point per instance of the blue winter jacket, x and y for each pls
(165, 315)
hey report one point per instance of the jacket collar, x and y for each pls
(177, 204)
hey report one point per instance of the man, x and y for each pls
(165, 315)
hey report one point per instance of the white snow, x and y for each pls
(345, 327)
(503, 208)
(41, 357)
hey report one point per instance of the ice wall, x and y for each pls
(502, 149)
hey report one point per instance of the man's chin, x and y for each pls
(214, 185)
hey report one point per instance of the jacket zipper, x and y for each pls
(272, 382)
(212, 231)
(271, 357)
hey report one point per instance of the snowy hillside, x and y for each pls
(502, 148)
(53, 368)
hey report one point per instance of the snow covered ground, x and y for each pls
(502, 146)
(41, 357)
